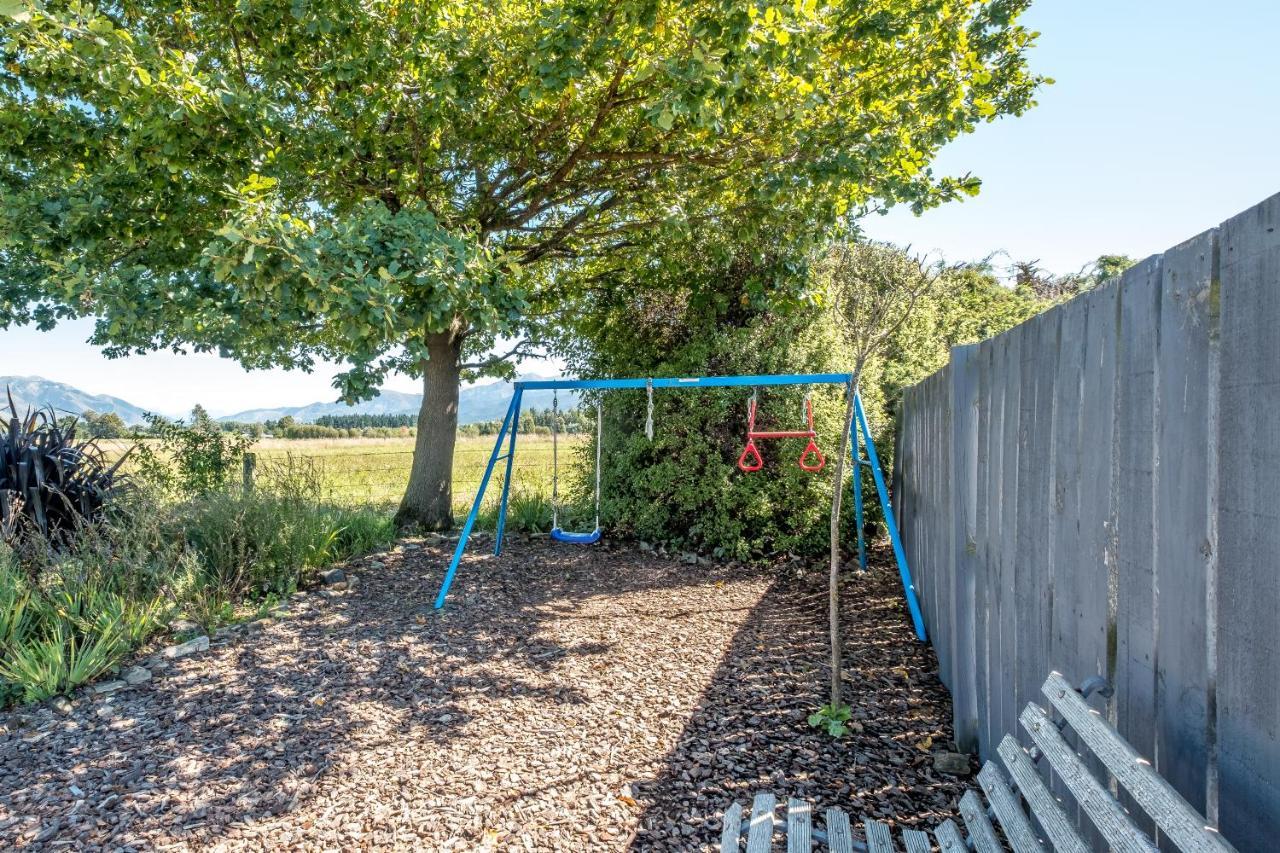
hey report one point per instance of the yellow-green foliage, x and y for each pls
(683, 488)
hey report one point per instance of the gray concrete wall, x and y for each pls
(1097, 491)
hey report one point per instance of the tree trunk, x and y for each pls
(428, 500)
(833, 593)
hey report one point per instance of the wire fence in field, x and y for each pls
(378, 475)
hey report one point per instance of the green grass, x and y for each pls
(376, 471)
(373, 472)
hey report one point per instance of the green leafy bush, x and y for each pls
(267, 541)
(529, 512)
(70, 613)
(190, 460)
(683, 488)
(50, 483)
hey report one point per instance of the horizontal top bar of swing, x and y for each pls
(689, 382)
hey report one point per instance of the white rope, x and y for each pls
(648, 422)
(599, 440)
(555, 463)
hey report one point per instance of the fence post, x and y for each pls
(250, 462)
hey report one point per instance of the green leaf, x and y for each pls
(18, 10)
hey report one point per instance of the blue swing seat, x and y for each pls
(575, 538)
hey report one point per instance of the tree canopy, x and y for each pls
(300, 178)
(287, 180)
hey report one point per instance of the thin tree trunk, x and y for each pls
(834, 581)
(428, 500)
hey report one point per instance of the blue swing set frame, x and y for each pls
(859, 433)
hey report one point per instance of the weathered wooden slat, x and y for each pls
(1186, 522)
(878, 838)
(981, 832)
(983, 539)
(950, 839)
(1248, 535)
(1103, 809)
(1171, 812)
(760, 835)
(916, 841)
(732, 830)
(964, 494)
(1136, 454)
(1004, 647)
(1017, 829)
(799, 826)
(1031, 576)
(1046, 809)
(839, 834)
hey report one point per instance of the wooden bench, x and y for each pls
(1029, 817)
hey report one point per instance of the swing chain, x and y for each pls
(648, 421)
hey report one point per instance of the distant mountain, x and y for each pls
(475, 403)
(34, 392)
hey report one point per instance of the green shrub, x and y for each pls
(529, 512)
(683, 488)
(75, 612)
(262, 543)
(268, 541)
(190, 460)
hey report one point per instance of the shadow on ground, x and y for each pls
(750, 732)
(568, 699)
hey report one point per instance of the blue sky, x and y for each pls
(1164, 120)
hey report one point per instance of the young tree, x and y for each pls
(407, 186)
(871, 289)
(202, 420)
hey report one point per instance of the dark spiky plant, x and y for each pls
(49, 481)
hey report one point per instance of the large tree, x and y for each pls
(404, 186)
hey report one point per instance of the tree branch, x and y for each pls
(519, 350)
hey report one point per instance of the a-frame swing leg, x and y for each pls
(908, 587)
(475, 506)
(856, 444)
(506, 480)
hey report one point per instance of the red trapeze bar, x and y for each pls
(750, 460)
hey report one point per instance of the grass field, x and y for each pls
(376, 470)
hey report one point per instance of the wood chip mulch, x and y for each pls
(568, 698)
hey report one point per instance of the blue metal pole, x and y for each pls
(690, 381)
(857, 493)
(908, 587)
(475, 510)
(506, 481)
